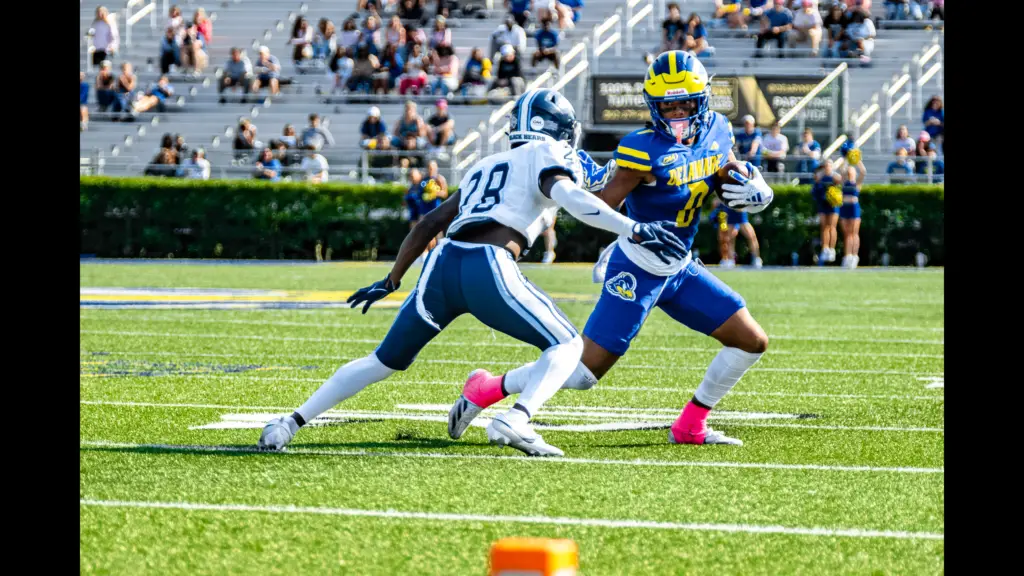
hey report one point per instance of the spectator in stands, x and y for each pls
(315, 167)
(695, 37)
(371, 35)
(415, 35)
(301, 41)
(476, 74)
(284, 155)
(341, 66)
(315, 136)
(126, 84)
(175, 23)
(364, 66)
(520, 10)
(775, 25)
(810, 152)
(930, 164)
(350, 34)
(903, 140)
(440, 35)
(415, 78)
(934, 118)
(392, 66)
(325, 40)
(900, 168)
(445, 68)
(672, 29)
(267, 71)
(547, 45)
(776, 145)
(410, 129)
(105, 95)
(748, 142)
(555, 10)
(509, 33)
(245, 139)
(170, 52)
(576, 6)
(83, 102)
(374, 131)
(938, 9)
(165, 163)
(105, 37)
(237, 74)
(268, 167)
(204, 25)
(807, 26)
(197, 167)
(834, 26)
(510, 75)
(192, 54)
(897, 9)
(728, 13)
(395, 34)
(861, 32)
(441, 126)
(923, 145)
(155, 96)
(288, 136)
(411, 10)
(181, 147)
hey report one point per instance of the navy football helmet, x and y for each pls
(543, 115)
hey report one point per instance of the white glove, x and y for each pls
(752, 195)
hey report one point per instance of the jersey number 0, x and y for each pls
(698, 191)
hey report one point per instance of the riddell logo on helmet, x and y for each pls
(677, 92)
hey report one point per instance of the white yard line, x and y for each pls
(561, 521)
(600, 387)
(412, 416)
(484, 363)
(488, 343)
(299, 451)
(190, 316)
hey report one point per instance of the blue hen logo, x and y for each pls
(622, 285)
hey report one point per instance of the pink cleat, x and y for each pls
(691, 428)
(482, 389)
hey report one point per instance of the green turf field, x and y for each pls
(841, 471)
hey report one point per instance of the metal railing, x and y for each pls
(934, 71)
(131, 19)
(634, 15)
(799, 110)
(894, 104)
(599, 45)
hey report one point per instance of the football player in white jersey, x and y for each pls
(505, 201)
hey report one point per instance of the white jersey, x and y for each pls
(505, 188)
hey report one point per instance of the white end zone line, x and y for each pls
(299, 451)
(561, 521)
(444, 418)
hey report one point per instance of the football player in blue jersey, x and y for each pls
(664, 172)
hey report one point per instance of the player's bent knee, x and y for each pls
(756, 342)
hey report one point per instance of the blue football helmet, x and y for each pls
(673, 76)
(543, 115)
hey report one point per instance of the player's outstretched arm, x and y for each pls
(624, 181)
(415, 243)
(592, 211)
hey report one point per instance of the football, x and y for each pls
(725, 178)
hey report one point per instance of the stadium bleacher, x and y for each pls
(125, 148)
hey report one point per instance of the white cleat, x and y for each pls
(727, 263)
(277, 434)
(710, 437)
(831, 255)
(548, 258)
(758, 263)
(521, 436)
(460, 416)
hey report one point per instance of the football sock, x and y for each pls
(725, 370)
(549, 372)
(345, 383)
(580, 379)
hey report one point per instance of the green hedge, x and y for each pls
(156, 217)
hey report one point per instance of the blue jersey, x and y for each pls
(744, 142)
(684, 175)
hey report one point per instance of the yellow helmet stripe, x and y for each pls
(635, 153)
(672, 63)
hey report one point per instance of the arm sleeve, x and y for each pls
(590, 209)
